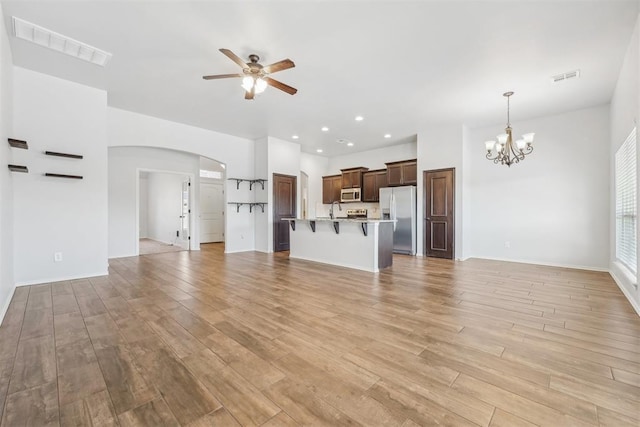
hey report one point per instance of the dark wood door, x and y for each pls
(439, 196)
(284, 206)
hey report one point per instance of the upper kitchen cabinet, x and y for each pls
(331, 186)
(372, 182)
(402, 173)
(352, 177)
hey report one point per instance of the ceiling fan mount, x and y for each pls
(258, 73)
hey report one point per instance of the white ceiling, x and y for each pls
(402, 65)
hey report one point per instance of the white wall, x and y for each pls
(261, 220)
(315, 167)
(54, 214)
(6, 183)
(552, 208)
(143, 205)
(625, 108)
(372, 159)
(165, 206)
(124, 166)
(441, 147)
(126, 128)
(469, 151)
(283, 158)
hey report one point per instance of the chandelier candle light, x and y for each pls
(504, 151)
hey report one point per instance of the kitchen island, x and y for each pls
(363, 244)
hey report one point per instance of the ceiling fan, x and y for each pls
(255, 76)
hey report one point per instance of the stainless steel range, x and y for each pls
(356, 213)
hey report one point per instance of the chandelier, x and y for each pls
(504, 151)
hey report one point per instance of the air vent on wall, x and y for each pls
(41, 36)
(565, 76)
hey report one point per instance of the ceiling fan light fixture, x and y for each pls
(261, 85)
(247, 83)
(255, 76)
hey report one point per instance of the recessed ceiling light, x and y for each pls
(319, 150)
(36, 34)
(387, 135)
(324, 129)
(349, 144)
(359, 118)
(295, 136)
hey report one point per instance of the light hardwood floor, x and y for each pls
(203, 338)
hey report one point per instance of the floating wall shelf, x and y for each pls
(70, 156)
(57, 175)
(18, 168)
(17, 143)
(250, 204)
(250, 181)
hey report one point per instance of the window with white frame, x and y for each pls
(626, 204)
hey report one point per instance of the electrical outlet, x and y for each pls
(507, 244)
(57, 256)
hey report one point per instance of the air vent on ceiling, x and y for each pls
(565, 76)
(63, 44)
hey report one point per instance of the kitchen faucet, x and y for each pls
(331, 208)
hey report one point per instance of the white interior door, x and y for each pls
(185, 215)
(211, 212)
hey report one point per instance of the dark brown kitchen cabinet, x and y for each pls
(372, 182)
(402, 173)
(352, 177)
(331, 186)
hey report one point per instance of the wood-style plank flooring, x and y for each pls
(252, 339)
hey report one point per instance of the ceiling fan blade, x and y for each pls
(235, 58)
(279, 85)
(249, 94)
(221, 76)
(278, 66)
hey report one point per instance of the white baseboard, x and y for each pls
(548, 264)
(6, 305)
(60, 279)
(237, 251)
(625, 291)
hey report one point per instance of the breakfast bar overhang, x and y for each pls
(363, 244)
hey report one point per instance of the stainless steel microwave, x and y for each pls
(350, 195)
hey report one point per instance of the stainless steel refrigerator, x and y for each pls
(399, 203)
